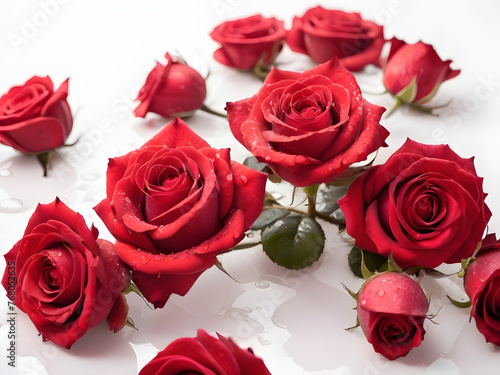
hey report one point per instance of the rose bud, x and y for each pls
(482, 285)
(205, 355)
(249, 41)
(171, 90)
(66, 279)
(391, 311)
(425, 205)
(173, 205)
(308, 127)
(323, 34)
(414, 72)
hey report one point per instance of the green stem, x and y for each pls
(246, 245)
(213, 112)
(322, 216)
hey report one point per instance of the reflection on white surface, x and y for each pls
(294, 320)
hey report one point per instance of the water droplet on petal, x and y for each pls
(381, 293)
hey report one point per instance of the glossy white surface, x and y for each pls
(294, 320)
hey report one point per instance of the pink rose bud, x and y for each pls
(326, 33)
(414, 72)
(482, 285)
(171, 90)
(33, 117)
(249, 41)
(391, 311)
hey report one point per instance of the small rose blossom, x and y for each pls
(482, 285)
(66, 279)
(425, 205)
(33, 117)
(414, 72)
(248, 41)
(308, 127)
(205, 355)
(391, 311)
(171, 90)
(326, 33)
(173, 205)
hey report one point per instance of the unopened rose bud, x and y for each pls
(171, 90)
(391, 310)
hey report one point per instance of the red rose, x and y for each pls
(66, 280)
(205, 355)
(391, 311)
(171, 90)
(414, 72)
(175, 204)
(323, 34)
(425, 205)
(308, 127)
(35, 118)
(482, 283)
(248, 40)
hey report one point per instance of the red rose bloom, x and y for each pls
(175, 204)
(249, 40)
(35, 118)
(425, 205)
(414, 72)
(391, 311)
(323, 34)
(66, 280)
(308, 127)
(482, 285)
(171, 90)
(205, 355)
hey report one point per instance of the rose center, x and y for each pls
(424, 208)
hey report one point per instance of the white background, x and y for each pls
(296, 324)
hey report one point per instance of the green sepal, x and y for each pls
(311, 190)
(218, 264)
(409, 93)
(133, 288)
(462, 305)
(130, 323)
(294, 242)
(353, 294)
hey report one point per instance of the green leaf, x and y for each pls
(328, 197)
(294, 242)
(269, 217)
(462, 305)
(252, 162)
(364, 263)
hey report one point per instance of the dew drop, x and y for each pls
(10, 204)
(381, 293)
(263, 341)
(5, 172)
(262, 284)
(244, 179)
(363, 302)
(268, 158)
(229, 177)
